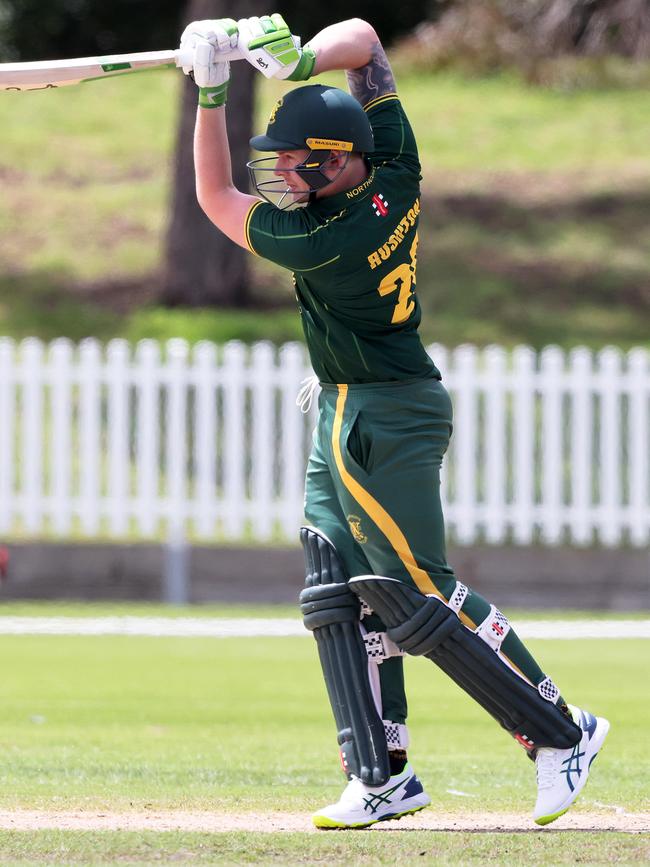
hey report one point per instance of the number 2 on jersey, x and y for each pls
(402, 281)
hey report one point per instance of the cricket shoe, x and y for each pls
(361, 805)
(562, 774)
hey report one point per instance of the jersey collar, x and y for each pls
(339, 201)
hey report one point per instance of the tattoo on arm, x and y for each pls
(372, 80)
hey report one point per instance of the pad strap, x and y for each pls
(458, 597)
(380, 647)
(494, 628)
(397, 735)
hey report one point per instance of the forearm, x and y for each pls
(211, 154)
(225, 205)
(355, 47)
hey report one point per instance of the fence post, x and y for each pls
(146, 379)
(90, 372)
(205, 437)
(523, 434)
(550, 383)
(32, 381)
(117, 473)
(263, 439)
(60, 445)
(7, 431)
(609, 362)
(581, 445)
(176, 574)
(234, 434)
(494, 449)
(638, 461)
(466, 413)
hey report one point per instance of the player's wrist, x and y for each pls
(305, 68)
(213, 96)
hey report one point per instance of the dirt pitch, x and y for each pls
(81, 820)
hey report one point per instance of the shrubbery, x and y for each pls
(559, 42)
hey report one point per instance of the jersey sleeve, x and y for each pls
(289, 238)
(394, 138)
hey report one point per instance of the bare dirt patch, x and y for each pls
(88, 820)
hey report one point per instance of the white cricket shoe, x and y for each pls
(362, 805)
(562, 774)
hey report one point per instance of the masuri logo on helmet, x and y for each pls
(317, 118)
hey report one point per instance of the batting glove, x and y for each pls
(204, 40)
(268, 45)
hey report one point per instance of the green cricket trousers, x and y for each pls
(373, 488)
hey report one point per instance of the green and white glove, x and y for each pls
(203, 40)
(267, 44)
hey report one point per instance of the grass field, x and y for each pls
(534, 221)
(228, 727)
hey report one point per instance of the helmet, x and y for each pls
(315, 117)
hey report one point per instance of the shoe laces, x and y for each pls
(547, 765)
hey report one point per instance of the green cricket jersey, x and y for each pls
(353, 257)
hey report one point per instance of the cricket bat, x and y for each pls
(46, 74)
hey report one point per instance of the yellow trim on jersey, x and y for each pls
(378, 99)
(247, 225)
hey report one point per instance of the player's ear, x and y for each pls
(337, 158)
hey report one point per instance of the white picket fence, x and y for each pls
(207, 443)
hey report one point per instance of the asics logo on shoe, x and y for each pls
(588, 723)
(573, 766)
(373, 802)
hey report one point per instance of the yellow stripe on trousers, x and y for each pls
(387, 524)
(376, 511)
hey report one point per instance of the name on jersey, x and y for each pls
(395, 239)
(352, 194)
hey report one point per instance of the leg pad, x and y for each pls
(425, 626)
(332, 611)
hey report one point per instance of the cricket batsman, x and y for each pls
(338, 206)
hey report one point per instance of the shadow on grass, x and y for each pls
(42, 304)
(48, 305)
(567, 271)
(566, 267)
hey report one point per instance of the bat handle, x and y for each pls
(185, 58)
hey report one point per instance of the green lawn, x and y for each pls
(28, 608)
(534, 224)
(234, 725)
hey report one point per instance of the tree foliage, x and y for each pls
(32, 29)
(525, 34)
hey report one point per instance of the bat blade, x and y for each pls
(47, 74)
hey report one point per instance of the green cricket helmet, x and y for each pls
(316, 118)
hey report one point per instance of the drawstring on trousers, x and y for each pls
(305, 396)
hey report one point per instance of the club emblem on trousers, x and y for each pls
(355, 528)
